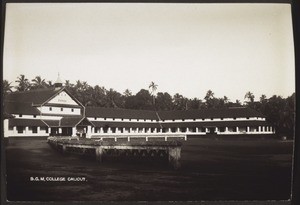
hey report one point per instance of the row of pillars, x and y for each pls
(169, 130)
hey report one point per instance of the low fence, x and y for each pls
(98, 148)
(115, 137)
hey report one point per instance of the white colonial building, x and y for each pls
(55, 111)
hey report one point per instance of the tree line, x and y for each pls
(278, 110)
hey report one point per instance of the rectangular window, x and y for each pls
(212, 118)
(46, 128)
(247, 118)
(221, 118)
(50, 108)
(72, 110)
(95, 118)
(61, 109)
(34, 129)
(34, 116)
(20, 115)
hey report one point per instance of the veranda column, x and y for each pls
(73, 131)
(15, 129)
(259, 128)
(237, 129)
(26, 130)
(226, 129)
(59, 130)
(271, 129)
(206, 129)
(101, 129)
(217, 130)
(38, 129)
(89, 132)
(263, 128)
(197, 129)
(178, 129)
(248, 129)
(49, 130)
(6, 128)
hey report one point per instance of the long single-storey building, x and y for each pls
(55, 111)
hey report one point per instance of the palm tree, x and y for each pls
(249, 96)
(38, 82)
(153, 88)
(23, 83)
(7, 88)
(127, 93)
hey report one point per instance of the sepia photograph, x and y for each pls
(151, 102)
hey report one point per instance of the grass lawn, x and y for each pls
(212, 169)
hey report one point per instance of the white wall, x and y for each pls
(57, 110)
(63, 98)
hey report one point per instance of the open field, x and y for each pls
(212, 169)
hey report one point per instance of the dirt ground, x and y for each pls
(212, 169)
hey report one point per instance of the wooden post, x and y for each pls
(174, 156)
(99, 152)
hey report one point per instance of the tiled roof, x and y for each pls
(24, 108)
(52, 123)
(36, 97)
(181, 124)
(170, 115)
(70, 121)
(126, 124)
(217, 124)
(120, 113)
(26, 122)
(210, 113)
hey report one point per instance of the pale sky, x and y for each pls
(183, 48)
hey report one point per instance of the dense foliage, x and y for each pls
(279, 111)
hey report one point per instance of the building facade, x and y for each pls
(55, 112)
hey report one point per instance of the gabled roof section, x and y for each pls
(37, 97)
(34, 97)
(73, 121)
(59, 91)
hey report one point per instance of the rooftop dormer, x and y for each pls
(58, 83)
